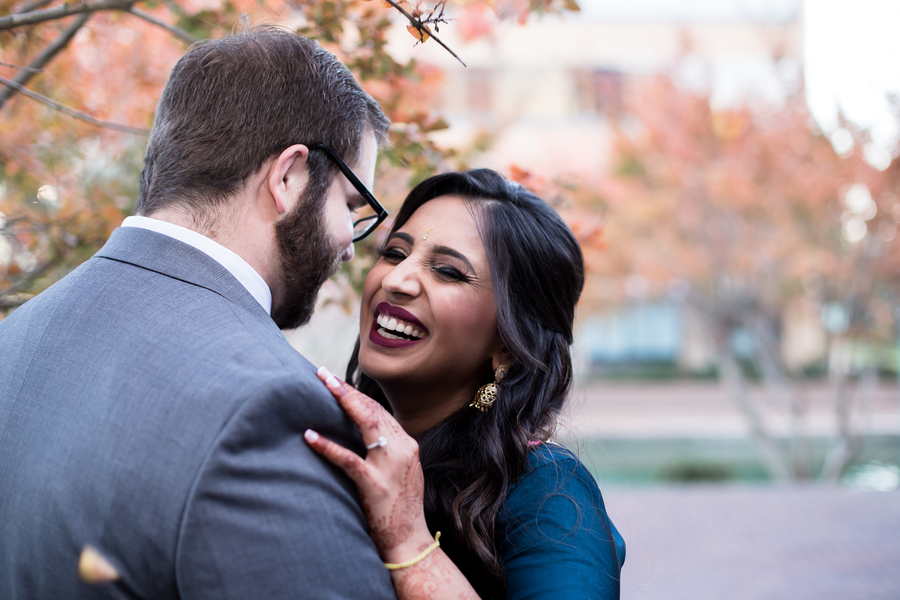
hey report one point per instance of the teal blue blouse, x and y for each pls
(558, 541)
(554, 536)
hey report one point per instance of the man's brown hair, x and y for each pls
(234, 102)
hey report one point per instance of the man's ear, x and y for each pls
(288, 176)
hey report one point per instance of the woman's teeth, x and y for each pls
(391, 324)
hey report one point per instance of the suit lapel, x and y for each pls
(172, 258)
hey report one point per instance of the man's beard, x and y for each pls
(309, 256)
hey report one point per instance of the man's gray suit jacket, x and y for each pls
(151, 408)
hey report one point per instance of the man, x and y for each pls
(149, 406)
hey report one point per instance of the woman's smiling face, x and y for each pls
(428, 315)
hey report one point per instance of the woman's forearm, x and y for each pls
(433, 578)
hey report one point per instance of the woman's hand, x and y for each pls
(390, 481)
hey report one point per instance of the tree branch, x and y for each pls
(33, 5)
(19, 67)
(734, 382)
(418, 25)
(779, 386)
(44, 57)
(58, 12)
(74, 113)
(178, 32)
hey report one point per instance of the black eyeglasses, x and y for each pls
(367, 224)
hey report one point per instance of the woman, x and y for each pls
(465, 328)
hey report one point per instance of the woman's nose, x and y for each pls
(402, 280)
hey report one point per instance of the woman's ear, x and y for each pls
(501, 357)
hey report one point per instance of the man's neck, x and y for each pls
(238, 230)
(210, 226)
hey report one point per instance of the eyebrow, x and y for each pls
(437, 249)
(403, 236)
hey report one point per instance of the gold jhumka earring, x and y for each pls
(487, 394)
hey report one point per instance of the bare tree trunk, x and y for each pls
(779, 386)
(865, 390)
(844, 443)
(734, 382)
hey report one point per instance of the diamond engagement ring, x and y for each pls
(381, 442)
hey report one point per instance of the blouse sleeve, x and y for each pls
(558, 540)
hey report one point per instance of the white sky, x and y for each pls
(691, 11)
(851, 53)
(851, 61)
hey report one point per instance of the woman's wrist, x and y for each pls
(422, 555)
(410, 548)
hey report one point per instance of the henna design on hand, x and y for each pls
(390, 480)
(391, 486)
(391, 530)
(424, 580)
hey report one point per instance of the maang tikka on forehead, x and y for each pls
(425, 237)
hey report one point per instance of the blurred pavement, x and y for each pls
(692, 409)
(742, 541)
(757, 543)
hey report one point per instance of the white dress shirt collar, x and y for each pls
(237, 266)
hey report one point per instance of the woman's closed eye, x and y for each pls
(449, 272)
(391, 254)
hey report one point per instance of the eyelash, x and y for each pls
(393, 254)
(390, 253)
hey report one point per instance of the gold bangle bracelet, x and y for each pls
(409, 563)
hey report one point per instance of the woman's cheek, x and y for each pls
(475, 317)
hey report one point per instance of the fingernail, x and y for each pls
(323, 372)
(93, 568)
(310, 435)
(332, 382)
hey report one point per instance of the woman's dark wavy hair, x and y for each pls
(472, 458)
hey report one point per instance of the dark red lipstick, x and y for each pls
(390, 310)
(396, 312)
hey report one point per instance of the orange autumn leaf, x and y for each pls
(518, 174)
(729, 125)
(419, 31)
(523, 16)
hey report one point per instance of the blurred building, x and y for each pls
(543, 94)
(543, 91)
